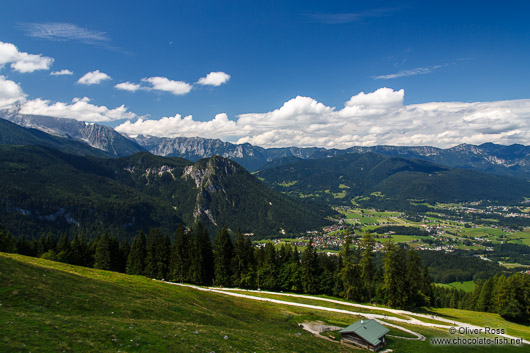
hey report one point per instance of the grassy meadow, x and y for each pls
(48, 306)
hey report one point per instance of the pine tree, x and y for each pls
(137, 254)
(7, 241)
(102, 257)
(207, 259)
(413, 280)
(366, 263)
(180, 256)
(79, 252)
(485, 292)
(395, 279)
(350, 273)
(308, 266)
(157, 254)
(243, 267)
(223, 254)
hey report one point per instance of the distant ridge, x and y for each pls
(97, 136)
(13, 134)
(511, 160)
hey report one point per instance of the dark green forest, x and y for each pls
(395, 179)
(45, 190)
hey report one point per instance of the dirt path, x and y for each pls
(411, 320)
(377, 317)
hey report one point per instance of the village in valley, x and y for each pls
(469, 227)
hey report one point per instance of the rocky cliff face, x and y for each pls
(98, 136)
(195, 148)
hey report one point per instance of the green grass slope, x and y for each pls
(48, 306)
(51, 307)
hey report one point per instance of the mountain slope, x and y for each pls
(12, 134)
(100, 137)
(50, 306)
(46, 190)
(339, 179)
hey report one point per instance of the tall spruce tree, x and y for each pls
(223, 255)
(157, 254)
(366, 263)
(243, 266)
(180, 256)
(137, 254)
(351, 274)
(102, 256)
(395, 277)
(309, 268)
(205, 247)
(7, 241)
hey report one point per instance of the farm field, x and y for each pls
(466, 286)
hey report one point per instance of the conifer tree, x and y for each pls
(79, 253)
(102, 256)
(243, 266)
(485, 292)
(206, 252)
(395, 279)
(367, 266)
(180, 256)
(350, 273)
(223, 254)
(413, 280)
(157, 254)
(137, 254)
(308, 264)
(7, 241)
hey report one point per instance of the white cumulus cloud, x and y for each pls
(10, 92)
(373, 118)
(64, 72)
(128, 86)
(214, 79)
(93, 78)
(22, 61)
(79, 109)
(167, 85)
(180, 126)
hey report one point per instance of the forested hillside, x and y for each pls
(46, 190)
(339, 179)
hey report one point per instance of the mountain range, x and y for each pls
(88, 177)
(511, 160)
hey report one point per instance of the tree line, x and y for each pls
(396, 278)
(234, 261)
(508, 296)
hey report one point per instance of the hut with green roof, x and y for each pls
(368, 334)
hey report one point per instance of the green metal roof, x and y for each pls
(369, 330)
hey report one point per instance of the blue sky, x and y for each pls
(263, 55)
